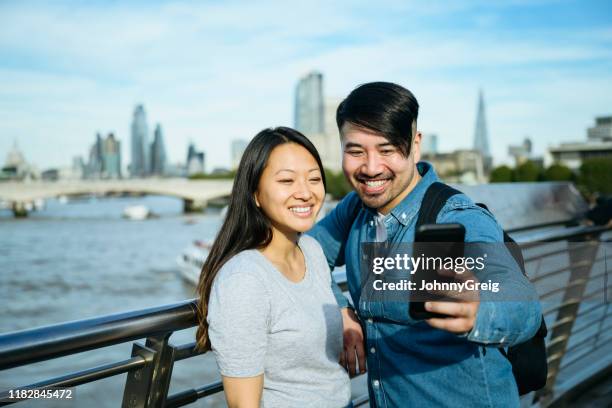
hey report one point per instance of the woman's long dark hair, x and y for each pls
(245, 225)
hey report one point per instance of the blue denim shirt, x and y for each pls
(411, 364)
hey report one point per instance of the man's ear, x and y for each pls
(416, 146)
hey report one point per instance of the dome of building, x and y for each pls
(14, 158)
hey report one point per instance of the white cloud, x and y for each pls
(212, 72)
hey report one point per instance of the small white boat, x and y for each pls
(191, 260)
(136, 212)
(39, 204)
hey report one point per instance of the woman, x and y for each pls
(265, 303)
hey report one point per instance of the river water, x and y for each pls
(82, 259)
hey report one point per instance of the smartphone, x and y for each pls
(435, 240)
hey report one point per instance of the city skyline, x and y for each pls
(64, 75)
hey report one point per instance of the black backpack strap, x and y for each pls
(511, 244)
(435, 198)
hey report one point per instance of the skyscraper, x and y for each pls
(111, 157)
(195, 161)
(481, 135)
(95, 163)
(328, 142)
(309, 107)
(429, 144)
(104, 158)
(140, 148)
(158, 153)
(238, 147)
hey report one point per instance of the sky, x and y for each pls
(213, 71)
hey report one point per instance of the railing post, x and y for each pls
(192, 206)
(583, 258)
(138, 382)
(19, 209)
(148, 386)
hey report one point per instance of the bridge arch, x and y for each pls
(195, 193)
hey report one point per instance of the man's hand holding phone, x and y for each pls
(451, 310)
(460, 310)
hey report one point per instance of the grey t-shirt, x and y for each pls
(260, 322)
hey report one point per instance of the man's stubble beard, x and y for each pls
(382, 200)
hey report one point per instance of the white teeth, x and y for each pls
(375, 183)
(300, 209)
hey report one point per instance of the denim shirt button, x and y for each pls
(373, 350)
(370, 320)
(376, 383)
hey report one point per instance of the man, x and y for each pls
(439, 361)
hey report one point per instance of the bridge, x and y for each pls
(196, 194)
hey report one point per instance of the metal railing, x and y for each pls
(576, 314)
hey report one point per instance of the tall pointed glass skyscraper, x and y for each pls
(140, 165)
(481, 135)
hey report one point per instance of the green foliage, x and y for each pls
(221, 176)
(501, 174)
(528, 171)
(337, 185)
(596, 175)
(558, 172)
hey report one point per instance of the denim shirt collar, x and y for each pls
(410, 205)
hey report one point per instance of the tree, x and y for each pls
(337, 186)
(528, 171)
(213, 176)
(501, 174)
(596, 175)
(558, 172)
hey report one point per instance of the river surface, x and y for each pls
(82, 259)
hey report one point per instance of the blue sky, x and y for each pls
(211, 72)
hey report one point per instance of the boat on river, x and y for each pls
(192, 258)
(136, 212)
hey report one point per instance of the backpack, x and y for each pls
(528, 359)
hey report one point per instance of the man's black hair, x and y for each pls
(384, 107)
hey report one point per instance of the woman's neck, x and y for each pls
(284, 252)
(282, 247)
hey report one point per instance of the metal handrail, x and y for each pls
(577, 358)
(156, 324)
(552, 253)
(574, 232)
(44, 343)
(86, 376)
(575, 282)
(554, 272)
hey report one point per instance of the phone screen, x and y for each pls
(435, 240)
